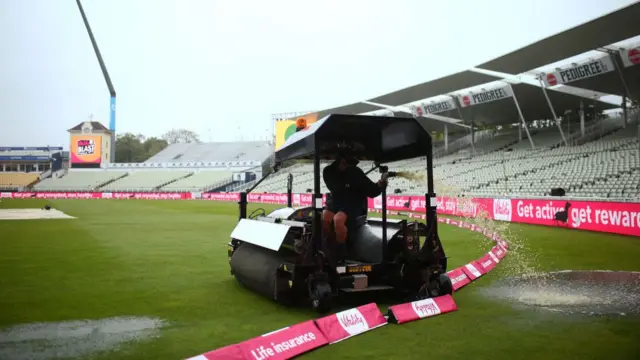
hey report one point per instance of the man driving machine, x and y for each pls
(349, 187)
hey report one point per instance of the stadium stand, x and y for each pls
(200, 181)
(79, 181)
(145, 181)
(16, 180)
(206, 152)
(191, 167)
(604, 163)
(23, 153)
(601, 162)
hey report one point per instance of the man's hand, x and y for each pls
(384, 180)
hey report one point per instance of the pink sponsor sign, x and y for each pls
(421, 309)
(446, 205)
(221, 196)
(282, 344)
(487, 262)
(99, 195)
(352, 322)
(231, 352)
(610, 217)
(499, 252)
(473, 270)
(285, 343)
(458, 278)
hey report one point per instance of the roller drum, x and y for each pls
(257, 269)
(365, 242)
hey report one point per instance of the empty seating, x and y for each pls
(223, 151)
(200, 181)
(79, 180)
(16, 181)
(144, 181)
(608, 166)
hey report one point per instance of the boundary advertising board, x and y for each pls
(600, 216)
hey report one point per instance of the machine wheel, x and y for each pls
(440, 286)
(320, 294)
(446, 286)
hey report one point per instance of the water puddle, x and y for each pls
(71, 339)
(581, 292)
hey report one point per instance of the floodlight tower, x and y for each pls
(107, 79)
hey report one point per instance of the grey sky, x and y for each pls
(228, 65)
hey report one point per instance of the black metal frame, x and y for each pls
(311, 146)
(391, 140)
(290, 190)
(316, 239)
(242, 203)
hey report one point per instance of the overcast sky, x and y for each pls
(223, 67)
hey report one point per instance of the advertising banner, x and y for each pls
(434, 106)
(352, 322)
(286, 128)
(631, 56)
(381, 112)
(86, 149)
(611, 217)
(404, 313)
(608, 217)
(486, 96)
(580, 71)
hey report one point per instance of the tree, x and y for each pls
(131, 148)
(181, 136)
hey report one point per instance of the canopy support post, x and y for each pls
(446, 138)
(455, 101)
(625, 88)
(524, 124)
(553, 111)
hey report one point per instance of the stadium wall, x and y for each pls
(600, 216)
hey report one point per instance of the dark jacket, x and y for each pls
(349, 188)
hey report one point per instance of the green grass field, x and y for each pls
(168, 259)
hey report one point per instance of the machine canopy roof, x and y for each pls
(374, 138)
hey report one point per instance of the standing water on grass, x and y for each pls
(583, 292)
(74, 339)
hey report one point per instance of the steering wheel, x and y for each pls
(257, 212)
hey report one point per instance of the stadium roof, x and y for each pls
(619, 25)
(616, 26)
(441, 86)
(530, 98)
(532, 102)
(610, 82)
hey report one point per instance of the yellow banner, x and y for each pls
(286, 128)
